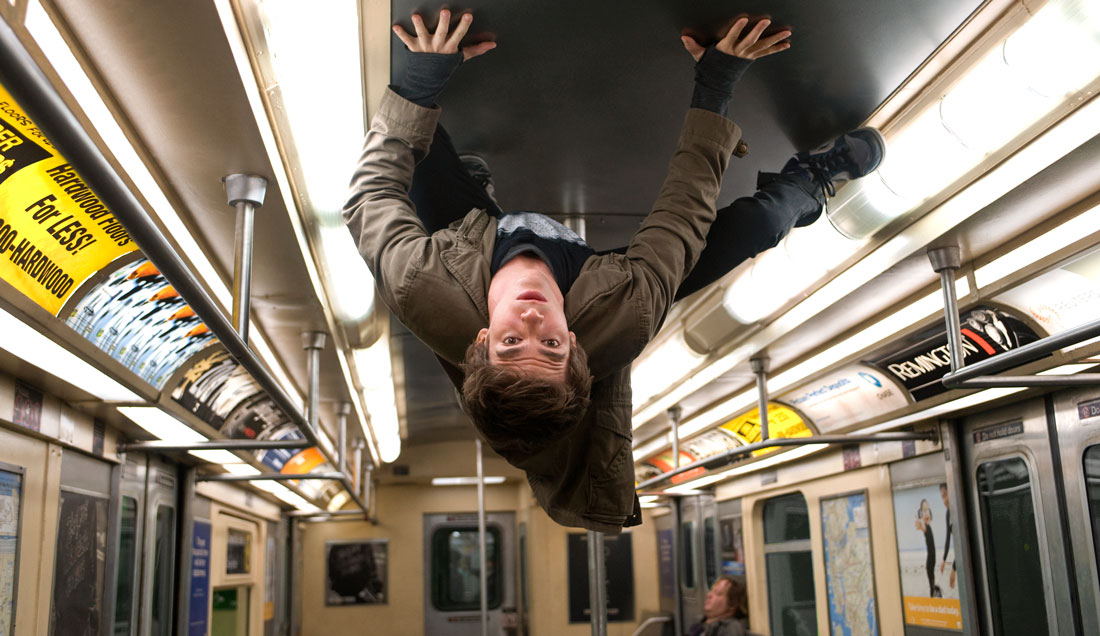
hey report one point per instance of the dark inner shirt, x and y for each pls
(563, 251)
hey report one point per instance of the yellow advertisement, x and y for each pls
(54, 231)
(945, 613)
(782, 423)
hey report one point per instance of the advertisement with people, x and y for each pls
(926, 552)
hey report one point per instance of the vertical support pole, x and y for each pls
(342, 410)
(357, 464)
(597, 584)
(945, 260)
(245, 192)
(187, 538)
(483, 572)
(674, 421)
(313, 342)
(677, 564)
(759, 367)
(366, 490)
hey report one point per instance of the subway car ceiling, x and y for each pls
(993, 139)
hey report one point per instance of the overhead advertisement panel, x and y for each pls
(220, 392)
(986, 331)
(850, 395)
(137, 318)
(699, 447)
(54, 231)
(783, 423)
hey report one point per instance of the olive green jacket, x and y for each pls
(437, 285)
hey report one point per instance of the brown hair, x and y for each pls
(519, 415)
(737, 597)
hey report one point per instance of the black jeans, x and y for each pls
(444, 192)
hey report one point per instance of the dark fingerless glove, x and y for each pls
(426, 76)
(716, 73)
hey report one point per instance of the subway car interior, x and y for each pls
(213, 421)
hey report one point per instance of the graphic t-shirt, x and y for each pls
(563, 251)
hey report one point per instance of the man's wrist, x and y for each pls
(427, 75)
(716, 73)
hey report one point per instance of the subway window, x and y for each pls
(1013, 568)
(792, 608)
(163, 570)
(1092, 488)
(687, 532)
(456, 582)
(127, 549)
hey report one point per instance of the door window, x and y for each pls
(792, 607)
(456, 582)
(1013, 567)
(163, 570)
(1092, 489)
(127, 570)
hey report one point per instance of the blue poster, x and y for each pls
(200, 579)
(666, 571)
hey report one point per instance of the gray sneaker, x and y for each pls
(850, 156)
(479, 170)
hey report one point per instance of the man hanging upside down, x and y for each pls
(534, 327)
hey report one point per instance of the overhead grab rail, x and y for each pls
(22, 77)
(733, 454)
(945, 261)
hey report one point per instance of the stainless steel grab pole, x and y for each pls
(483, 573)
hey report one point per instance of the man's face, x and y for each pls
(527, 328)
(717, 605)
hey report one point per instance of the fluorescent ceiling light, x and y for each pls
(241, 469)
(162, 425)
(464, 481)
(1015, 86)
(351, 281)
(338, 500)
(652, 446)
(324, 83)
(286, 495)
(662, 366)
(696, 381)
(1039, 247)
(217, 456)
(376, 377)
(68, 68)
(779, 275)
(27, 344)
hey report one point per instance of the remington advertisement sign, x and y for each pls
(986, 332)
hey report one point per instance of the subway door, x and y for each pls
(80, 580)
(699, 556)
(158, 548)
(1022, 574)
(452, 592)
(1077, 416)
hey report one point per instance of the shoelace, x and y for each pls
(826, 164)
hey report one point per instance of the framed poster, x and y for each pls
(619, 569)
(929, 590)
(732, 546)
(11, 509)
(849, 572)
(355, 572)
